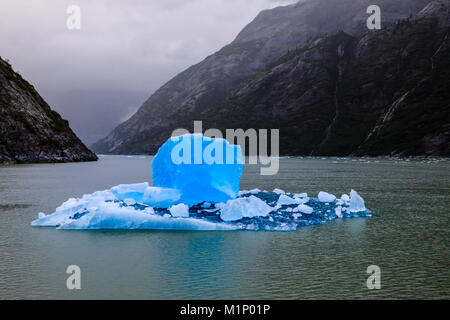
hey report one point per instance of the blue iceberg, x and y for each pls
(190, 193)
(201, 168)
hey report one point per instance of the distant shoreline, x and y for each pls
(14, 162)
(410, 158)
(312, 157)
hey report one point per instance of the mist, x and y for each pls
(98, 76)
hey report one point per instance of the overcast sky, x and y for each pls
(99, 75)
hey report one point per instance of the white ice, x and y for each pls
(161, 197)
(356, 202)
(304, 209)
(180, 210)
(239, 208)
(326, 197)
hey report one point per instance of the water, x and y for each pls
(408, 238)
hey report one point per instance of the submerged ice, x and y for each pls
(194, 195)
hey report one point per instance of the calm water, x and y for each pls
(408, 237)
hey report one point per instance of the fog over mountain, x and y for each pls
(96, 77)
(206, 85)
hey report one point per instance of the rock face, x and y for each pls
(208, 84)
(383, 93)
(29, 130)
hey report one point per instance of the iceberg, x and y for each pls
(249, 211)
(201, 168)
(199, 196)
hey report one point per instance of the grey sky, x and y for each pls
(98, 76)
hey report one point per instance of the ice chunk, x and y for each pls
(345, 198)
(130, 191)
(206, 205)
(161, 197)
(326, 197)
(304, 209)
(180, 210)
(254, 191)
(285, 200)
(201, 168)
(277, 207)
(356, 202)
(129, 202)
(338, 212)
(247, 207)
(149, 210)
(102, 210)
(301, 195)
(41, 215)
(136, 220)
(72, 207)
(73, 215)
(279, 191)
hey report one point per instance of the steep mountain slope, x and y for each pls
(29, 130)
(210, 82)
(383, 93)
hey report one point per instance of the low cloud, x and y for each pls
(127, 47)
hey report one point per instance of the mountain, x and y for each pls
(208, 84)
(29, 130)
(381, 93)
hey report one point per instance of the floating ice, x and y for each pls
(130, 191)
(103, 210)
(240, 208)
(356, 202)
(303, 208)
(338, 212)
(254, 191)
(279, 191)
(285, 200)
(301, 195)
(326, 197)
(199, 197)
(201, 168)
(161, 197)
(180, 210)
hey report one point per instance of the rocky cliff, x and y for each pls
(29, 130)
(204, 87)
(382, 93)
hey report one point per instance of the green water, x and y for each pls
(408, 238)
